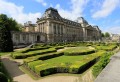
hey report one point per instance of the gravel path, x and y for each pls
(111, 73)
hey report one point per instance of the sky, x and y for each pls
(104, 13)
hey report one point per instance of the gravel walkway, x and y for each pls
(111, 73)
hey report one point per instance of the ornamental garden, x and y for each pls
(74, 58)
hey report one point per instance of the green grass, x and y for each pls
(19, 55)
(63, 59)
(78, 51)
(106, 47)
(58, 60)
(5, 53)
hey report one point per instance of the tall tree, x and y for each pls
(103, 35)
(6, 44)
(13, 25)
(107, 34)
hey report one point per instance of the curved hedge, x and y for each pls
(44, 69)
(18, 55)
(77, 51)
(43, 57)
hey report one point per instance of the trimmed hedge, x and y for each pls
(31, 65)
(106, 47)
(32, 49)
(78, 52)
(43, 57)
(104, 60)
(77, 67)
(59, 47)
(3, 77)
(17, 55)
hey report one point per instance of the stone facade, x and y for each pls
(115, 37)
(54, 28)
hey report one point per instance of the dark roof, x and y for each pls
(50, 8)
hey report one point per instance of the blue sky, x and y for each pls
(104, 13)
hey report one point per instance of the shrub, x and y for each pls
(82, 52)
(77, 67)
(43, 57)
(17, 55)
(31, 65)
(3, 77)
(48, 71)
(104, 60)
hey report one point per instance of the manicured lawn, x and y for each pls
(77, 49)
(4, 53)
(64, 59)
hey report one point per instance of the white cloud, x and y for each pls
(42, 2)
(114, 30)
(107, 8)
(76, 10)
(16, 12)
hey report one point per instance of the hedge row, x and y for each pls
(17, 55)
(43, 57)
(83, 52)
(106, 47)
(32, 49)
(3, 74)
(75, 68)
(59, 47)
(43, 69)
(104, 60)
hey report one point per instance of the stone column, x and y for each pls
(60, 29)
(56, 28)
(43, 27)
(21, 38)
(52, 28)
(40, 27)
(84, 34)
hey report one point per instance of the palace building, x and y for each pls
(51, 27)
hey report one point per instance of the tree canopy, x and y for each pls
(13, 25)
(107, 34)
(6, 44)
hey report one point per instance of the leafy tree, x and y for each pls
(103, 35)
(6, 44)
(13, 25)
(107, 34)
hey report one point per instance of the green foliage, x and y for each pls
(3, 74)
(6, 44)
(64, 64)
(104, 60)
(107, 47)
(103, 35)
(9, 23)
(107, 34)
(18, 55)
(43, 57)
(3, 77)
(78, 51)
